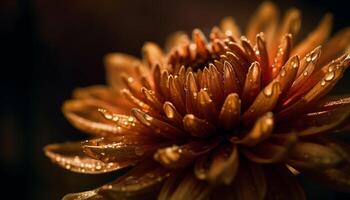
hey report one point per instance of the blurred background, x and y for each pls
(52, 46)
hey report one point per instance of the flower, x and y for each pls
(234, 117)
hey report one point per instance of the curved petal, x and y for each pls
(281, 184)
(84, 114)
(261, 130)
(121, 148)
(106, 94)
(272, 150)
(88, 195)
(315, 156)
(176, 39)
(180, 156)
(184, 185)
(117, 64)
(250, 183)
(70, 155)
(220, 166)
(141, 182)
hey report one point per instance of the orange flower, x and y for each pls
(231, 118)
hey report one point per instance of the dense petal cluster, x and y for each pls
(230, 118)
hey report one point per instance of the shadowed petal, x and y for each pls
(261, 130)
(252, 84)
(88, 195)
(272, 150)
(70, 156)
(197, 127)
(219, 167)
(180, 156)
(184, 186)
(230, 112)
(142, 182)
(249, 183)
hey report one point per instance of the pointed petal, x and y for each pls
(231, 83)
(172, 114)
(282, 184)
(176, 39)
(220, 167)
(70, 156)
(252, 84)
(264, 102)
(282, 55)
(230, 112)
(197, 127)
(180, 156)
(88, 195)
(272, 150)
(118, 63)
(206, 106)
(261, 130)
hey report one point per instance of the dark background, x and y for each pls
(49, 47)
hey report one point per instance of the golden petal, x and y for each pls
(191, 93)
(287, 74)
(197, 127)
(134, 100)
(261, 130)
(263, 58)
(290, 24)
(264, 19)
(180, 156)
(201, 43)
(229, 27)
(118, 63)
(315, 38)
(282, 184)
(70, 156)
(206, 107)
(159, 127)
(231, 84)
(215, 85)
(185, 187)
(176, 93)
(336, 46)
(133, 85)
(152, 54)
(248, 49)
(152, 99)
(230, 112)
(172, 114)
(83, 114)
(282, 55)
(264, 102)
(272, 150)
(141, 182)
(220, 167)
(252, 84)
(129, 148)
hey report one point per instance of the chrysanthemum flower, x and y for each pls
(232, 118)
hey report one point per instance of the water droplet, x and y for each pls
(268, 91)
(283, 72)
(306, 73)
(329, 76)
(323, 83)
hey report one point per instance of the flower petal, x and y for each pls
(309, 155)
(249, 183)
(264, 19)
(230, 112)
(84, 115)
(121, 148)
(118, 63)
(229, 27)
(70, 156)
(281, 184)
(220, 167)
(261, 130)
(180, 156)
(252, 84)
(316, 37)
(197, 127)
(152, 54)
(185, 186)
(141, 182)
(87, 195)
(272, 150)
